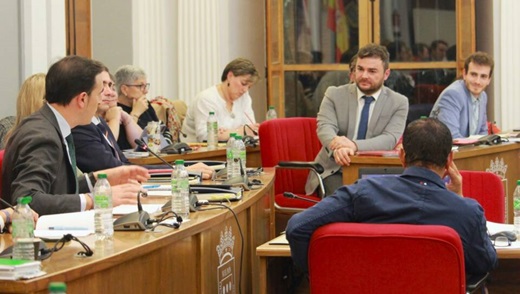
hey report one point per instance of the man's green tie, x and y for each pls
(72, 154)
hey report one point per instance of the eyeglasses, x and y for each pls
(143, 87)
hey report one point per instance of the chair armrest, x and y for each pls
(302, 164)
(474, 285)
(313, 166)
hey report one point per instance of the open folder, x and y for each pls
(216, 193)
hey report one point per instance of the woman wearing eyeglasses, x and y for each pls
(132, 87)
(229, 100)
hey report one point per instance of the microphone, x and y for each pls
(242, 180)
(180, 132)
(143, 146)
(252, 130)
(135, 221)
(8, 204)
(193, 198)
(294, 196)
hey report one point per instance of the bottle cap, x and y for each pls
(57, 287)
(238, 137)
(232, 135)
(25, 200)
(102, 176)
(179, 161)
(211, 113)
(271, 107)
(517, 182)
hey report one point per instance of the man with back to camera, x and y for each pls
(418, 196)
(462, 105)
(38, 160)
(340, 128)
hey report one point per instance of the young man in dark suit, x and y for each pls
(40, 159)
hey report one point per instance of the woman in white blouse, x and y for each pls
(229, 100)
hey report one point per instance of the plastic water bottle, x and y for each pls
(57, 288)
(23, 230)
(212, 126)
(181, 190)
(239, 157)
(229, 154)
(271, 113)
(516, 207)
(103, 219)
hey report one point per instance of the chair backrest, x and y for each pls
(386, 258)
(1, 170)
(427, 93)
(289, 139)
(487, 188)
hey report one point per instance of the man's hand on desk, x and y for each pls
(122, 174)
(207, 172)
(342, 155)
(125, 193)
(342, 141)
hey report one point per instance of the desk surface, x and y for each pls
(200, 257)
(252, 156)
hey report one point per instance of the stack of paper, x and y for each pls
(14, 269)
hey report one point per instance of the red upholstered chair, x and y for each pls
(285, 141)
(386, 258)
(487, 188)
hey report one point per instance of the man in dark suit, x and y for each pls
(40, 160)
(96, 145)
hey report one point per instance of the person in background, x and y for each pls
(96, 145)
(40, 161)
(437, 76)
(421, 52)
(335, 78)
(438, 50)
(229, 100)
(132, 87)
(340, 128)
(462, 105)
(419, 196)
(30, 98)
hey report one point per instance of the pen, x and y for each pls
(62, 228)
(151, 186)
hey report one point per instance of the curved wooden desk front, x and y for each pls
(502, 159)
(202, 256)
(252, 156)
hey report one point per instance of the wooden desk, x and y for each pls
(504, 279)
(203, 256)
(502, 159)
(252, 155)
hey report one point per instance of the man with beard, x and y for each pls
(462, 105)
(359, 116)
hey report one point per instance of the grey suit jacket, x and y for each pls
(454, 109)
(338, 116)
(36, 164)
